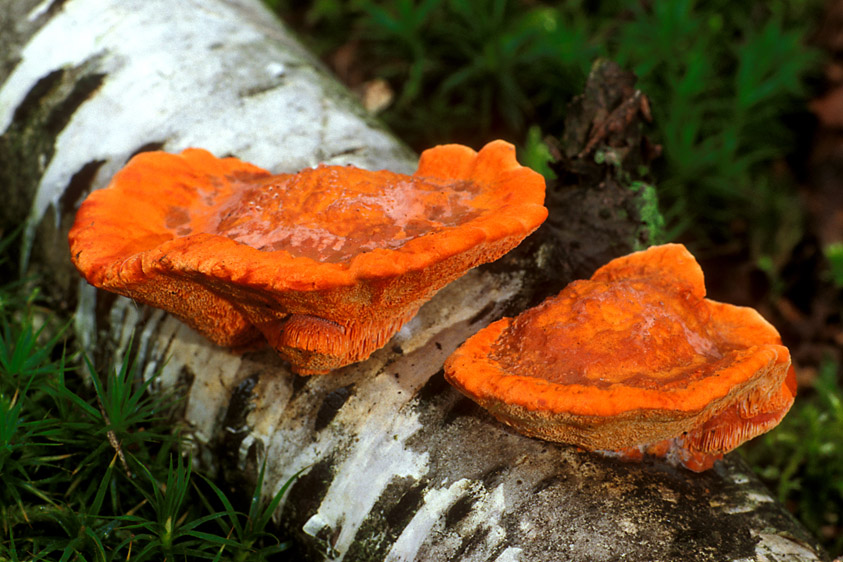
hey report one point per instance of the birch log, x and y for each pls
(396, 465)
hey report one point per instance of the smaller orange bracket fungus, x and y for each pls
(325, 265)
(635, 360)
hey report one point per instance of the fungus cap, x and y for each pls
(634, 360)
(326, 264)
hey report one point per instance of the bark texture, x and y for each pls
(396, 464)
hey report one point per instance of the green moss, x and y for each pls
(834, 255)
(535, 154)
(652, 221)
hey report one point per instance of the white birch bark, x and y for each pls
(396, 465)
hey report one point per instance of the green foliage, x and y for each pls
(652, 221)
(11, 292)
(95, 472)
(834, 255)
(725, 80)
(248, 533)
(28, 438)
(802, 458)
(535, 154)
(720, 107)
(463, 70)
(165, 533)
(489, 69)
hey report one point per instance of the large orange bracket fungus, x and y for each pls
(326, 264)
(634, 360)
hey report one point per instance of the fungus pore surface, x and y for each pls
(634, 360)
(325, 265)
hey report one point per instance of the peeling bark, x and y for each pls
(396, 464)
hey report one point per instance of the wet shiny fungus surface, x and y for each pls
(329, 213)
(324, 265)
(602, 334)
(633, 361)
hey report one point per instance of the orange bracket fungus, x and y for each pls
(634, 360)
(326, 264)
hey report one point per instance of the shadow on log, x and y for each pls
(397, 465)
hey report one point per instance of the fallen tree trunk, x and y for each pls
(396, 464)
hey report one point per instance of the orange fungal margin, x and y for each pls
(325, 265)
(634, 360)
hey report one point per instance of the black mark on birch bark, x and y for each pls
(299, 382)
(469, 544)
(27, 146)
(459, 510)
(82, 90)
(148, 147)
(463, 407)
(306, 494)
(486, 311)
(234, 425)
(54, 8)
(433, 388)
(36, 96)
(392, 512)
(331, 405)
(494, 476)
(78, 187)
